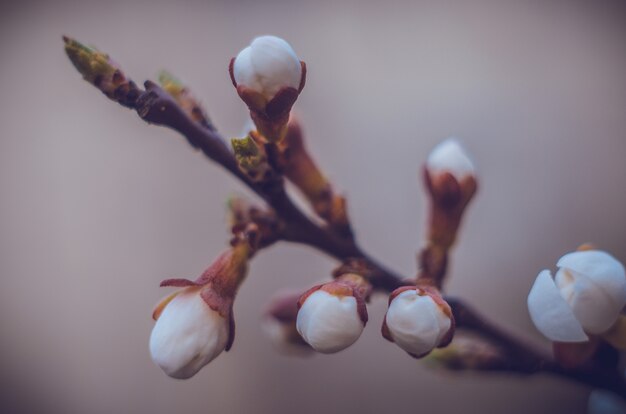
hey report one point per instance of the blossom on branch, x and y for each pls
(188, 334)
(332, 316)
(418, 320)
(268, 65)
(585, 297)
(450, 181)
(195, 324)
(269, 77)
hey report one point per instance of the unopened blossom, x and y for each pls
(268, 65)
(188, 334)
(331, 317)
(418, 321)
(268, 77)
(585, 297)
(195, 323)
(450, 157)
(450, 180)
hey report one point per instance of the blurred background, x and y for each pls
(98, 207)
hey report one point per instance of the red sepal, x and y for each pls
(179, 283)
(385, 331)
(224, 307)
(302, 76)
(574, 354)
(231, 71)
(306, 294)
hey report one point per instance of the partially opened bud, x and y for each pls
(188, 334)
(332, 316)
(195, 324)
(586, 296)
(418, 320)
(269, 77)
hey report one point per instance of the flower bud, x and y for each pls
(269, 77)
(450, 179)
(188, 334)
(586, 296)
(195, 324)
(450, 157)
(332, 316)
(268, 65)
(418, 320)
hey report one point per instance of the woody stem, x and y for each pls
(156, 106)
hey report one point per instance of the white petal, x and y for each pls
(449, 156)
(604, 402)
(329, 323)
(602, 269)
(550, 312)
(275, 63)
(592, 307)
(244, 72)
(416, 323)
(187, 336)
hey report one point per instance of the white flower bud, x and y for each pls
(187, 335)
(329, 322)
(416, 323)
(268, 65)
(587, 295)
(449, 156)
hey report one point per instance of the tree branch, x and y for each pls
(156, 106)
(523, 358)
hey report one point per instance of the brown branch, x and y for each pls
(523, 358)
(158, 107)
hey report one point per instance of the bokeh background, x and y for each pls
(98, 207)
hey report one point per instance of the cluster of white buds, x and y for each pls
(332, 316)
(269, 77)
(583, 303)
(418, 320)
(195, 324)
(585, 298)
